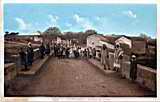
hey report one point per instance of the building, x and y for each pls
(152, 46)
(94, 41)
(124, 40)
(59, 40)
(34, 37)
(136, 45)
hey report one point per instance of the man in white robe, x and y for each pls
(118, 55)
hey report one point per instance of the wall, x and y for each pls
(139, 47)
(146, 76)
(16, 59)
(10, 71)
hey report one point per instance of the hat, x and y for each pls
(133, 56)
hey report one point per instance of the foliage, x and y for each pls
(80, 36)
(145, 36)
(11, 34)
(39, 32)
(90, 32)
(52, 31)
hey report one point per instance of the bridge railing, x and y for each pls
(146, 76)
(16, 58)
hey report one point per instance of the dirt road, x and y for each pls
(74, 77)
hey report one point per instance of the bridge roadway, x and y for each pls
(75, 77)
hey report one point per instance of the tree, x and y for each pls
(39, 32)
(52, 31)
(145, 36)
(90, 32)
(69, 35)
(6, 33)
(11, 34)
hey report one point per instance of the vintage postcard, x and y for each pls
(80, 50)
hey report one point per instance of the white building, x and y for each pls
(137, 44)
(95, 41)
(124, 40)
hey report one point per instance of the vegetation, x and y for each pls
(11, 34)
(54, 31)
(145, 36)
(80, 36)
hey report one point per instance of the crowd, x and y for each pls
(65, 51)
(27, 54)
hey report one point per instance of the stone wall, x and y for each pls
(10, 71)
(146, 76)
(126, 69)
(16, 58)
(139, 47)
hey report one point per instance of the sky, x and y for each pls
(128, 19)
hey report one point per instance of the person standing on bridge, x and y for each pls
(23, 58)
(47, 50)
(85, 53)
(56, 48)
(118, 55)
(105, 57)
(30, 54)
(133, 70)
(42, 50)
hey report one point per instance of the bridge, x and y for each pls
(52, 76)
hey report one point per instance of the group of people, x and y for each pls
(117, 64)
(118, 54)
(64, 51)
(26, 56)
(44, 50)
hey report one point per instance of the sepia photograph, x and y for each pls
(80, 50)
